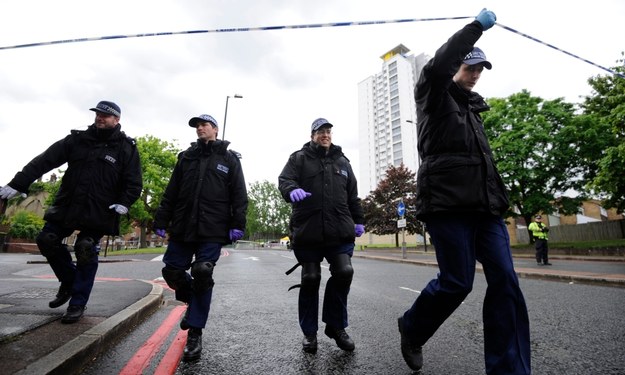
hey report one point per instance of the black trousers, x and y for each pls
(542, 251)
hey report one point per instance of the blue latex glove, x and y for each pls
(298, 195)
(359, 230)
(236, 234)
(160, 232)
(487, 18)
(122, 210)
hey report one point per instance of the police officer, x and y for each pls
(102, 180)
(540, 233)
(462, 199)
(203, 208)
(319, 182)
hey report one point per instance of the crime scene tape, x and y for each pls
(291, 27)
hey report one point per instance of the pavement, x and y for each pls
(34, 341)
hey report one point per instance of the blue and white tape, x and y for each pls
(303, 26)
(232, 30)
(559, 49)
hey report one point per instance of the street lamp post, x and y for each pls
(223, 132)
(425, 242)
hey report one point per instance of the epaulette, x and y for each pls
(77, 132)
(236, 154)
(130, 140)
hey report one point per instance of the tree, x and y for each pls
(605, 107)
(539, 151)
(268, 213)
(52, 187)
(158, 159)
(25, 225)
(380, 206)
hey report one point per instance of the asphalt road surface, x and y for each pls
(253, 329)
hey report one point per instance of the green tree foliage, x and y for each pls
(268, 213)
(537, 148)
(158, 159)
(380, 206)
(25, 225)
(36, 187)
(605, 108)
(52, 187)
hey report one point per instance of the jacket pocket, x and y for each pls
(455, 182)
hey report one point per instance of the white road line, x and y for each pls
(410, 290)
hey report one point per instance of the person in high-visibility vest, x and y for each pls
(539, 231)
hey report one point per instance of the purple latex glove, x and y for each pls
(236, 234)
(359, 230)
(160, 232)
(298, 195)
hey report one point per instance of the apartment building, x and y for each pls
(387, 117)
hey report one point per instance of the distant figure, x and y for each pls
(103, 179)
(327, 214)
(462, 199)
(203, 208)
(540, 231)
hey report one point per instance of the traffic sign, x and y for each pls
(401, 208)
(401, 223)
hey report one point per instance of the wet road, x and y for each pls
(252, 327)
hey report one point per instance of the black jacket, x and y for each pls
(457, 173)
(328, 216)
(103, 169)
(206, 195)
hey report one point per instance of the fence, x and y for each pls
(601, 230)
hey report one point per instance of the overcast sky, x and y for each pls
(287, 77)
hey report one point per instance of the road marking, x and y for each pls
(171, 359)
(410, 290)
(224, 253)
(252, 258)
(141, 360)
(96, 279)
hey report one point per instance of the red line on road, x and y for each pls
(96, 279)
(169, 363)
(144, 355)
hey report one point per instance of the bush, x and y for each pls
(25, 225)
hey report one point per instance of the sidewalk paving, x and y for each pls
(605, 270)
(34, 341)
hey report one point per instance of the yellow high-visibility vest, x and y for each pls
(537, 230)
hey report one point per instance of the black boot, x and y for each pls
(193, 349)
(184, 323)
(64, 294)
(341, 337)
(73, 314)
(413, 354)
(309, 344)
